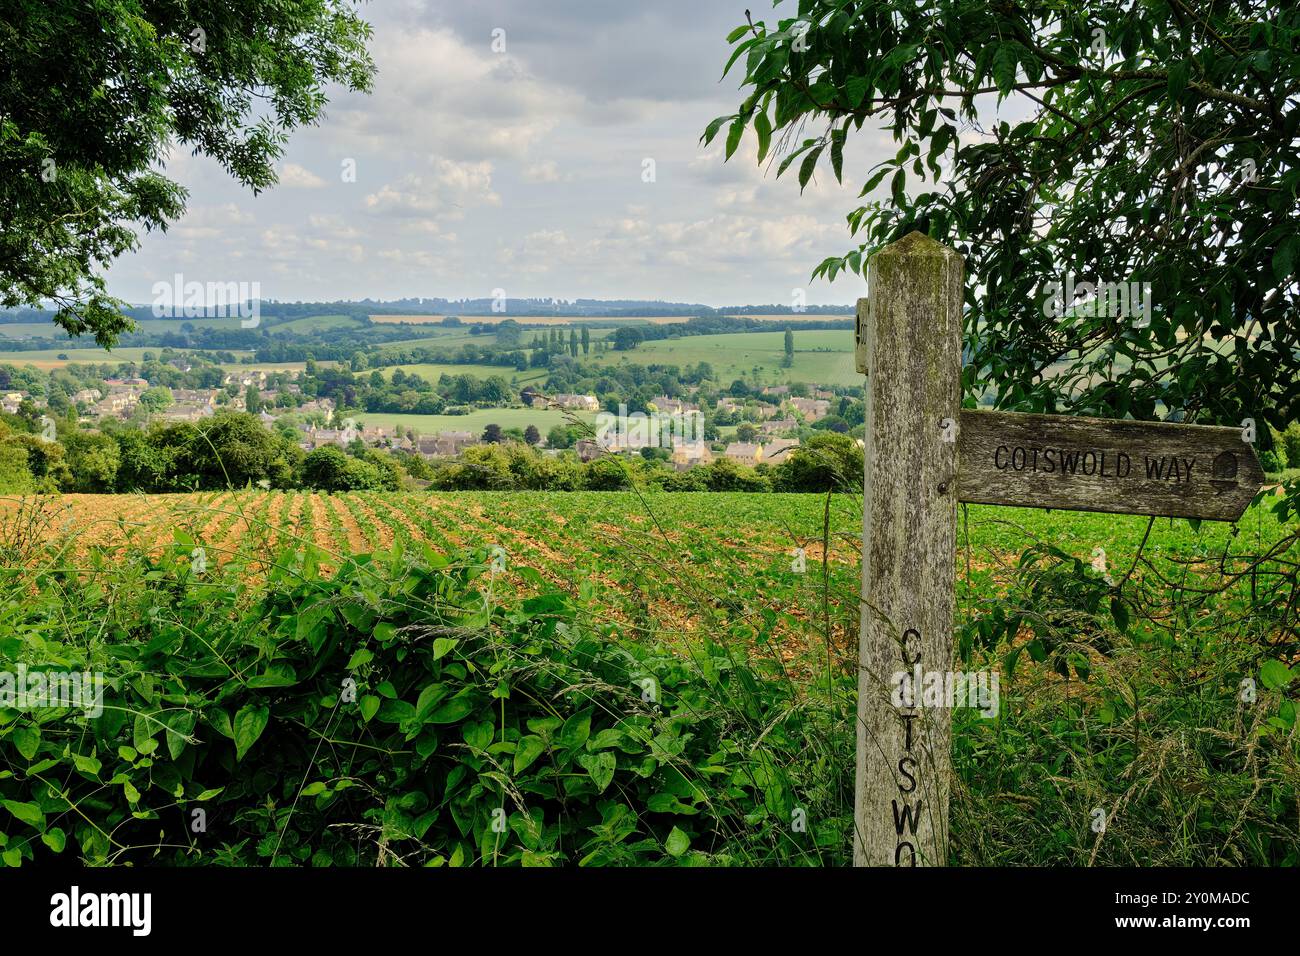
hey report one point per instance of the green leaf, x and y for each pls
(360, 617)
(1119, 611)
(575, 731)
(220, 721)
(677, 843)
(443, 646)
(55, 839)
(275, 675)
(545, 726)
(529, 749)
(1275, 675)
(249, 724)
(792, 156)
(28, 813)
(875, 179)
(179, 726)
(358, 658)
(733, 136)
(749, 44)
(763, 127)
(86, 764)
(807, 166)
(1004, 68)
(1284, 258)
(428, 699)
(1177, 80)
(712, 129)
(896, 187)
(478, 735)
(837, 152)
(369, 707)
(857, 87)
(27, 738)
(668, 803)
(455, 710)
(600, 767)
(143, 729)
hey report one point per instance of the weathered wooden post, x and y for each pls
(909, 347)
(924, 455)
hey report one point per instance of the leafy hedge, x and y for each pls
(395, 713)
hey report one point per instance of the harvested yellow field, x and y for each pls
(650, 562)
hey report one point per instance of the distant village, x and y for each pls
(318, 423)
(777, 434)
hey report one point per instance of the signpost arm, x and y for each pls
(909, 347)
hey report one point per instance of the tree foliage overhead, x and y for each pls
(94, 95)
(1153, 142)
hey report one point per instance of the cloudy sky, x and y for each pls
(521, 170)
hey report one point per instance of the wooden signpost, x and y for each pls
(924, 454)
(1098, 464)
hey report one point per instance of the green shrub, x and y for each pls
(1291, 445)
(396, 713)
(330, 468)
(15, 476)
(826, 462)
(724, 474)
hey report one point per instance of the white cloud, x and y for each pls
(547, 172)
(521, 170)
(334, 224)
(446, 193)
(445, 97)
(293, 176)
